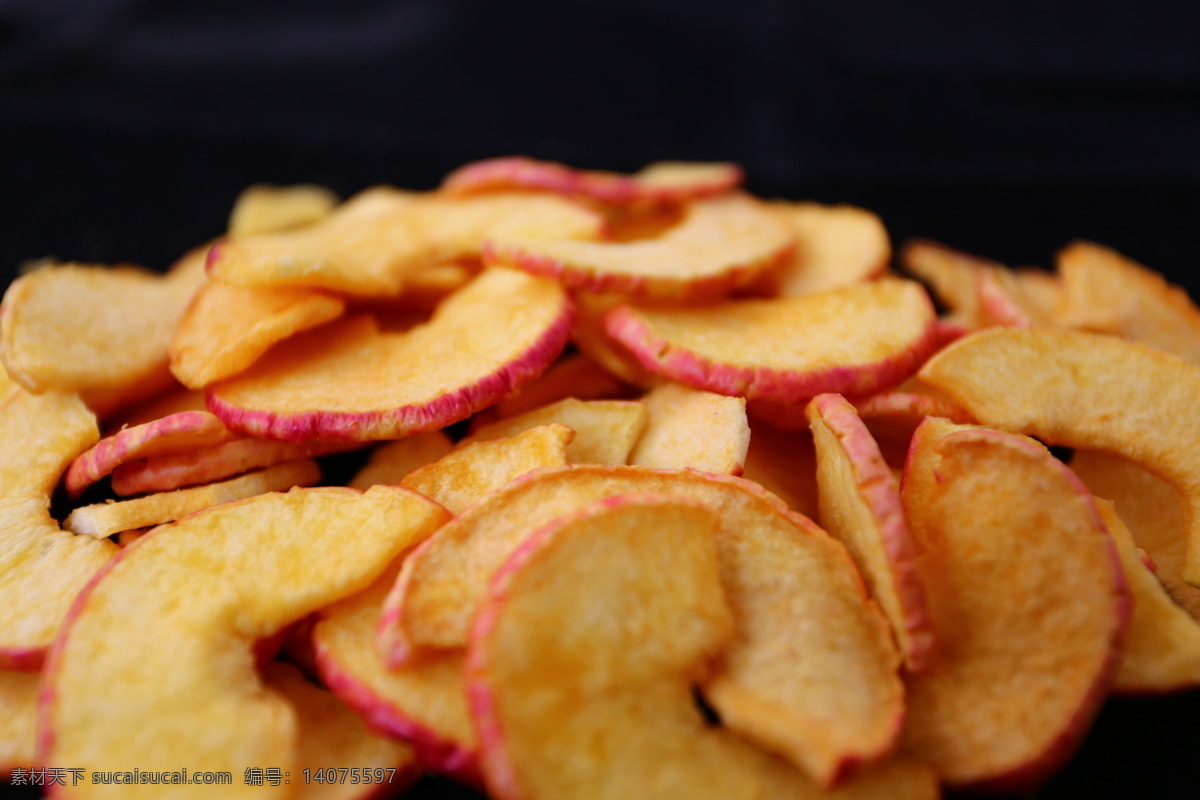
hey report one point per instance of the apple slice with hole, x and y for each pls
(1084, 390)
(1029, 601)
(263, 208)
(689, 428)
(18, 723)
(860, 506)
(854, 340)
(391, 462)
(352, 382)
(574, 376)
(607, 707)
(721, 244)
(205, 589)
(605, 430)
(835, 246)
(42, 567)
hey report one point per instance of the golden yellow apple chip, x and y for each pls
(951, 274)
(18, 723)
(835, 246)
(689, 428)
(605, 430)
(262, 208)
(390, 462)
(574, 376)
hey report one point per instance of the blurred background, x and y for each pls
(128, 127)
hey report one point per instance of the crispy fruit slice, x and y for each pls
(371, 245)
(205, 589)
(860, 505)
(999, 304)
(459, 479)
(663, 182)
(1084, 390)
(350, 382)
(18, 723)
(951, 274)
(1153, 509)
(1106, 292)
(785, 464)
(262, 208)
(835, 246)
(170, 402)
(1162, 648)
(227, 328)
(172, 471)
(1030, 605)
(605, 430)
(854, 340)
(174, 433)
(394, 460)
(99, 331)
(591, 338)
(331, 735)
(689, 428)
(892, 416)
(721, 244)
(42, 567)
(606, 708)
(424, 702)
(104, 519)
(575, 376)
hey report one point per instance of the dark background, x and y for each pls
(127, 127)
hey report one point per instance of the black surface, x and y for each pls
(128, 126)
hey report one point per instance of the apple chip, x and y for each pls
(952, 275)
(785, 464)
(370, 246)
(1029, 602)
(574, 376)
(104, 519)
(605, 430)
(352, 382)
(18, 723)
(606, 708)
(182, 688)
(1084, 390)
(855, 340)
(42, 567)
(227, 328)
(721, 244)
(663, 182)
(860, 505)
(390, 463)
(263, 209)
(592, 339)
(459, 479)
(689, 428)
(998, 301)
(835, 246)
(892, 416)
(170, 402)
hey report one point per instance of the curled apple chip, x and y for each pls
(605, 430)
(860, 506)
(352, 382)
(18, 723)
(574, 376)
(173, 433)
(835, 246)
(606, 708)
(690, 428)
(663, 182)
(893, 416)
(721, 244)
(854, 340)
(1084, 390)
(262, 208)
(389, 463)
(227, 328)
(371, 245)
(204, 590)
(460, 478)
(42, 567)
(1028, 599)
(952, 275)
(104, 519)
(592, 339)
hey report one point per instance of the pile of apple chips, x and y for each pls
(664, 491)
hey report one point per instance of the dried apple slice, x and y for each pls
(605, 430)
(227, 328)
(893, 416)
(205, 589)
(606, 709)
(998, 302)
(721, 244)
(104, 519)
(389, 463)
(459, 479)
(689, 428)
(663, 182)
(164, 405)
(591, 338)
(835, 246)
(575, 376)
(785, 464)
(854, 340)
(351, 382)
(860, 505)
(1084, 390)
(1030, 605)
(42, 567)
(951, 274)
(18, 723)
(262, 208)
(370, 246)
(174, 433)
(423, 702)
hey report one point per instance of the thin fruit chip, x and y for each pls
(262, 208)
(390, 462)
(605, 430)
(689, 428)
(835, 246)
(574, 376)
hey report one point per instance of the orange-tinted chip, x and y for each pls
(835, 246)
(262, 208)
